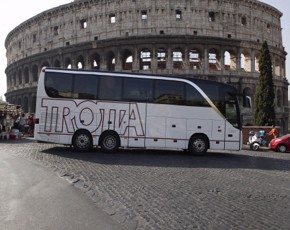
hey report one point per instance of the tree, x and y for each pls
(265, 95)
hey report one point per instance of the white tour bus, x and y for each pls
(85, 108)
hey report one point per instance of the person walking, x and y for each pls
(274, 131)
(22, 123)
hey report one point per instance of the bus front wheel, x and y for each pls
(109, 142)
(82, 141)
(198, 145)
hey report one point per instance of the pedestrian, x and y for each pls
(22, 123)
(274, 131)
(31, 124)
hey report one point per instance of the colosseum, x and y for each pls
(211, 39)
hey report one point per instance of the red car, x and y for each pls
(281, 144)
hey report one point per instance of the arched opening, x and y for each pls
(230, 60)
(25, 104)
(56, 63)
(145, 59)
(26, 75)
(279, 98)
(33, 104)
(19, 76)
(161, 58)
(111, 61)
(68, 63)
(213, 61)
(194, 59)
(35, 73)
(245, 61)
(177, 59)
(247, 92)
(95, 61)
(277, 67)
(80, 62)
(127, 60)
(257, 58)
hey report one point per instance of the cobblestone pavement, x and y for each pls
(174, 190)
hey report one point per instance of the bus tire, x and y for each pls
(198, 145)
(109, 142)
(82, 141)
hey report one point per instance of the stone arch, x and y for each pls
(26, 75)
(19, 77)
(68, 63)
(45, 64)
(25, 104)
(213, 59)
(111, 61)
(35, 72)
(14, 78)
(80, 62)
(177, 58)
(230, 60)
(194, 59)
(256, 62)
(145, 59)
(161, 58)
(127, 59)
(33, 104)
(247, 92)
(279, 98)
(19, 102)
(95, 61)
(245, 63)
(277, 67)
(56, 63)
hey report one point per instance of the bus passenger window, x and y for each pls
(85, 87)
(110, 88)
(138, 89)
(169, 92)
(58, 85)
(194, 98)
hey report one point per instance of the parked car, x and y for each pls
(281, 144)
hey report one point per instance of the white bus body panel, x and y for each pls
(138, 124)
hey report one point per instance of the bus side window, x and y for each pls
(110, 88)
(58, 85)
(169, 92)
(138, 89)
(85, 87)
(194, 98)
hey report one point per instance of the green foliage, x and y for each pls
(265, 96)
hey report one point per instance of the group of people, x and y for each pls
(25, 124)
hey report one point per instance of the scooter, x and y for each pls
(257, 139)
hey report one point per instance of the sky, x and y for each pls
(15, 12)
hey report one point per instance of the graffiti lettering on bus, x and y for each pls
(67, 116)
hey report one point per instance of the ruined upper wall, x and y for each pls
(90, 20)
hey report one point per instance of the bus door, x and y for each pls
(233, 136)
(136, 124)
(218, 134)
(233, 133)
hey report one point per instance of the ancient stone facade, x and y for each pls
(212, 39)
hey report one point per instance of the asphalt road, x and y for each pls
(32, 197)
(144, 190)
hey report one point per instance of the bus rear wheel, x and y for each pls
(82, 141)
(109, 142)
(198, 145)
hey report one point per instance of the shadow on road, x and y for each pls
(264, 160)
